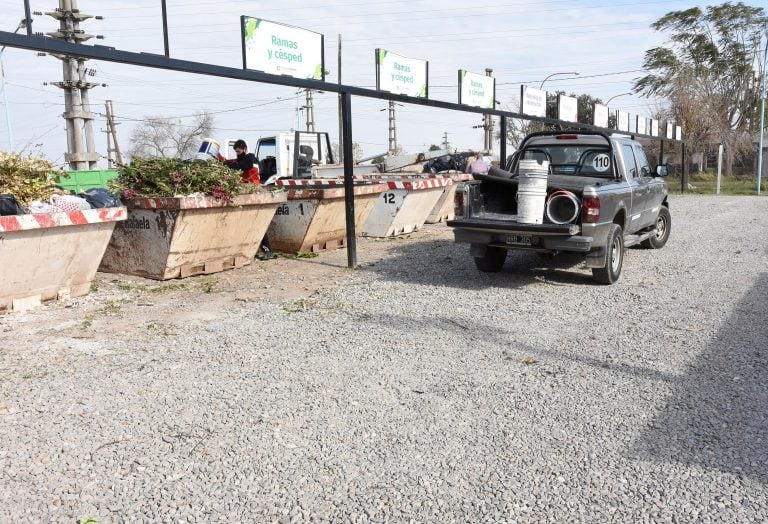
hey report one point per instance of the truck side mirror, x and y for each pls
(662, 170)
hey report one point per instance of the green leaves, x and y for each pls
(27, 178)
(168, 177)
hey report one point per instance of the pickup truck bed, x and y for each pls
(615, 200)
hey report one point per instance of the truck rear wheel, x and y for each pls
(663, 227)
(614, 259)
(492, 261)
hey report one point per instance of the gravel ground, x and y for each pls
(413, 390)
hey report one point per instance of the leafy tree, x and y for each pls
(707, 73)
(434, 147)
(168, 138)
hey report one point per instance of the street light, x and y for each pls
(617, 96)
(555, 74)
(21, 25)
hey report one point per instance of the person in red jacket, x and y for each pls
(248, 164)
(245, 162)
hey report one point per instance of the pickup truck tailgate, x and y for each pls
(506, 226)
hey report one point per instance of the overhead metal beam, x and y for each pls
(110, 54)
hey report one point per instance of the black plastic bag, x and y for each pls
(10, 206)
(99, 197)
(443, 163)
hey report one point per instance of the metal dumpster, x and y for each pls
(405, 206)
(166, 238)
(314, 217)
(49, 256)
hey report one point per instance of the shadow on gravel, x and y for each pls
(463, 328)
(717, 416)
(418, 263)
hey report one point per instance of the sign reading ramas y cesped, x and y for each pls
(281, 49)
(401, 75)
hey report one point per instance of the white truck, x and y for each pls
(313, 158)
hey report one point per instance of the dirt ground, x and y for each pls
(124, 306)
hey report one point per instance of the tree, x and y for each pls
(707, 73)
(166, 137)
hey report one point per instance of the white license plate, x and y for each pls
(519, 240)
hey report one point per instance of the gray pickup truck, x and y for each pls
(600, 196)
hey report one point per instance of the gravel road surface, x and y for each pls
(415, 389)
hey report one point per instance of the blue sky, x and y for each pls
(522, 41)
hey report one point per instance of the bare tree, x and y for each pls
(357, 151)
(166, 137)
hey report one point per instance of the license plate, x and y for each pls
(519, 240)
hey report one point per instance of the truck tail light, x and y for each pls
(590, 210)
(458, 201)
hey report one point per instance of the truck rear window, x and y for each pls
(578, 160)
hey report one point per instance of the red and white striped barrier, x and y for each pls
(415, 185)
(73, 218)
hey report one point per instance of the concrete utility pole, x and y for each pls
(111, 132)
(77, 111)
(446, 145)
(310, 112)
(392, 129)
(488, 125)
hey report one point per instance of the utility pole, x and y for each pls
(310, 112)
(445, 140)
(392, 129)
(112, 139)
(488, 125)
(341, 124)
(77, 111)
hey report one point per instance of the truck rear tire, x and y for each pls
(663, 227)
(492, 261)
(614, 258)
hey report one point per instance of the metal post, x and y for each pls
(392, 129)
(661, 152)
(349, 184)
(684, 171)
(503, 142)
(5, 104)
(165, 27)
(762, 119)
(720, 167)
(28, 17)
(341, 125)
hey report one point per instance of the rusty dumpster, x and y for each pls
(179, 237)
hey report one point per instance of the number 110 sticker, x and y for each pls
(601, 162)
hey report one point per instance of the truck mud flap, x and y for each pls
(596, 258)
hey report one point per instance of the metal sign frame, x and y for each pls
(110, 54)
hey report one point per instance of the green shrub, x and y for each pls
(168, 177)
(27, 178)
